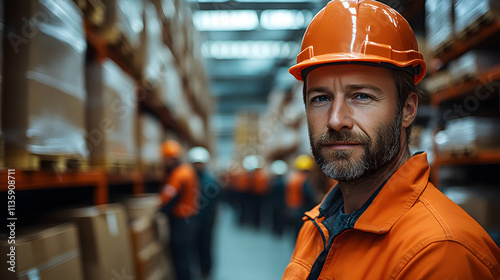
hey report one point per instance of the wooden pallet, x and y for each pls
(115, 166)
(27, 161)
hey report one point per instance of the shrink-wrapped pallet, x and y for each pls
(151, 137)
(439, 24)
(472, 63)
(469, 136)
(149, 57)
(123, 22)
(44, 97)
(111, 115)
(470, 15)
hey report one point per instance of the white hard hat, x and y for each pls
(198, 154)
(279, 167)
(253, 162)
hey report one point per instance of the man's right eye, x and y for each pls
(320, 98)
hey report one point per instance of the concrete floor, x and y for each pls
(247, 253)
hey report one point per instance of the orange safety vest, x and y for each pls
(410, 231)
(182, 181)
(294, 190)
(261, 182)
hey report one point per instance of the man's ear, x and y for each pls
(410, 110)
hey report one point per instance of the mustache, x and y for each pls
(343, 137)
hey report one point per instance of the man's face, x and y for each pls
(354, 124)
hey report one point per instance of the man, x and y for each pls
(180, 202)
(209, 195)
(298, 192)
(384, 220)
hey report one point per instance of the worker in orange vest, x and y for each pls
(360, 65)
(180, 202)
(298, 192)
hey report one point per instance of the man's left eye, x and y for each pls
(362, 96)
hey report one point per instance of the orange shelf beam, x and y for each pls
(36, 180)
(485, 157)
(485, 78)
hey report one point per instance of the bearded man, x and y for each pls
(384, 220)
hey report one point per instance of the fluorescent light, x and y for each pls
(285, 19)
(226, 20)
(249, 49)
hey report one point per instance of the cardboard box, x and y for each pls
(142, 206)
(49, 252)
(104, 240)
(111, 114)
(44, 89)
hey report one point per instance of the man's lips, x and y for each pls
(341, 145)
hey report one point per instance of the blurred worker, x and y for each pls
(180, 202)
(277, 197)
(298, 194)
(360, 65)
(209, 194)
(259, 185)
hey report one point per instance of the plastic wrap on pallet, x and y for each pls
(172, 91)
(439, 22)
(469, 136)
(111, 114)
(152, 44)
(123, 18)
(473, 63)
(470, 13)
(45, 82)
(151, 139)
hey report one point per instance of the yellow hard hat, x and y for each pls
(303, 162)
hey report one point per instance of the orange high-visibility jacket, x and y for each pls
(410, 231)
(260, 182)
(184, 182)
(294, 190)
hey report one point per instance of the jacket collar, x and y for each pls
(402, 190)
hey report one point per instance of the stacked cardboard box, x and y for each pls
(151, 137)
(105, 241)
(49, 252)
(152, 261)
(471, 14)
(123, 22)
(439, 23)
(111, 115)
(44, 96)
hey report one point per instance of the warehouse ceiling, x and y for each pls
(249, 46)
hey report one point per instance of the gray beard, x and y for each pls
(339, 165)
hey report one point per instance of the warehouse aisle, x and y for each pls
(246, 253)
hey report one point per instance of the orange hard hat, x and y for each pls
(363, 32)
(171, 148)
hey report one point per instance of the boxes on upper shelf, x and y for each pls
(439, 24)
(44, 96)
(472, 63)
(44, 252)
(468, 136)
(123, 22)
(151, 137)
(469, 15)
(111, 116)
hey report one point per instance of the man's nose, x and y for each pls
(340, 115)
